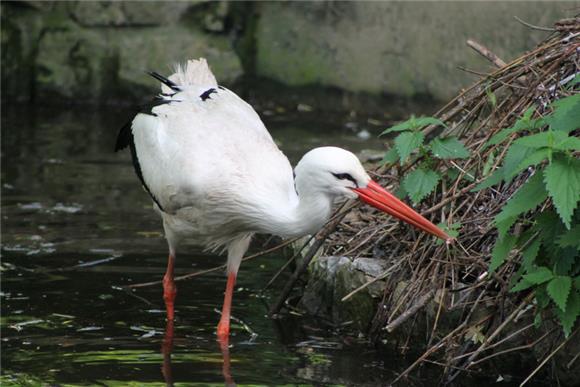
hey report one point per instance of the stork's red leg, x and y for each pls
(169, 288)
(223, 329)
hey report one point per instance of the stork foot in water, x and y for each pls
(223, 329)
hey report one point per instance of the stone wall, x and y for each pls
(98, 51)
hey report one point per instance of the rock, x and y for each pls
(77, 50)
(331, 278)
(167, 46)
(127, 13)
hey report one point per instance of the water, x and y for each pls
(76, 228)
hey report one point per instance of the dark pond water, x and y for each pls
(76, 227)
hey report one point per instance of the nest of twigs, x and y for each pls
(456, 276)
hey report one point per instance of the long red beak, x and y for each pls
(378, 197)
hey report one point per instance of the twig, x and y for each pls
(490, 338)
(486, 53)
(424, 299)
(384, 275)
(549, 29)
(530, 376)
(221, 267)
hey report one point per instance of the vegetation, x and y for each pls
(549, 244)
(498, 168)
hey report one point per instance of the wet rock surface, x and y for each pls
(334, 277)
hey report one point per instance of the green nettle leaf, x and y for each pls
(569, 316)
(504, 225)
(559, 289)
(526, 198)
(529, 255)
(488, 164)
(425, 121)
(515, 155)
(407, 142)
(539, 276)
(420, 183)
(500, 251)
(534, 158)
(562, 178)
(522, 285)
(513, 158)
(524, 123)
(495, 178)
(448, 148)
(571, 238)
(414, 123)
(564, 261)
(567, 143)
(538, 140)
(391, 156)
(566, 115)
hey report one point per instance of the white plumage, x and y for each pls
(217, 176)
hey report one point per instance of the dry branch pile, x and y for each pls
(455, 276)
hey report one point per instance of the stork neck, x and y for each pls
(305, 216)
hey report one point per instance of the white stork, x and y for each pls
(216, 176)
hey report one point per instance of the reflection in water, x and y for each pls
(166, 349)
(224, 344)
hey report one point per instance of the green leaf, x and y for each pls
(420, 183)
(564, 260)
(425, 121)
(448, 148)
(539, 276)
(567, 143)
(533, 159)
(568, 317)
(391, 156)
(515, 155)
(522, 285)
(524, 123)
(566, 115)
(571, 238)
(513, 158)
(494, 179)
(500, 251)
(407, 142)
(526, 198)
(452, 231)
(538, 140)
(413, 123)
(504, 225)
(562, 178)
(488, 164)
(529, 255)
(559, 289)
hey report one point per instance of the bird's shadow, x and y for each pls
(167, 349)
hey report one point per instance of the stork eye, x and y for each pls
(345, 176)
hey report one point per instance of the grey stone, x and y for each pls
(127, 13)
(331, 278)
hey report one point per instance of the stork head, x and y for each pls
(335, 172)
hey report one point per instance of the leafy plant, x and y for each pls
(550, 247)
(420, 182)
